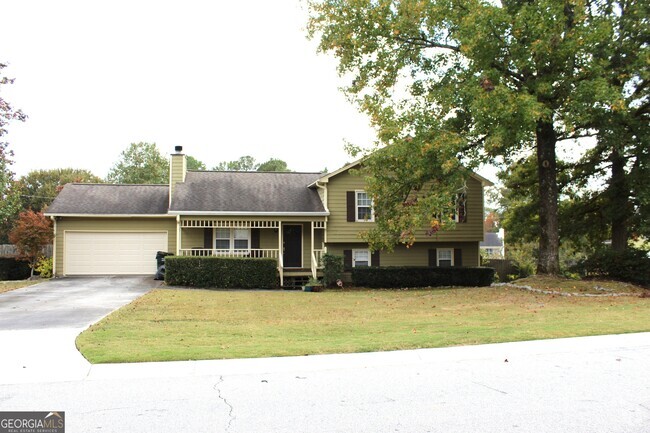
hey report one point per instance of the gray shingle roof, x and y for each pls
(107, 199)
(218, 191)
(492, 240)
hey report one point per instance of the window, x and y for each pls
(360, 258)
(232, 239)
(460, 213)
(445, 257)
(222, 239)
(364, 207)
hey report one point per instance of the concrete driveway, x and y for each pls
(39, 324)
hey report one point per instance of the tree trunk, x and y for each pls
(548, 261)
(618, 198)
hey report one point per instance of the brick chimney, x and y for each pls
(177, 169)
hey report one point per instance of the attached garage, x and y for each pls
(112, 253)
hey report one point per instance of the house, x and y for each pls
(494, 245)
(291, 217)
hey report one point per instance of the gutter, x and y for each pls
(242, 213)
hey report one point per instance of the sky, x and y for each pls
(223, 79)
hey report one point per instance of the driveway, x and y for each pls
(39, 324)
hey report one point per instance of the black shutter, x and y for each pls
(347, 260)
(255, 238)
(462, 208)
(458, 257)
(351, 206)
(433, 257)
(374, 259)
(207, 238)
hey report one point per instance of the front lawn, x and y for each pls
(201, 324)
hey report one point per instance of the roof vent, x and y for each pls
(178, 149)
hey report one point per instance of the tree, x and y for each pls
(452, 83)
(9, 200)
(140, 163)
(194, 164)
(32, 231)
(38, 188)
(248, 163)
(273, 164)
(244, 163)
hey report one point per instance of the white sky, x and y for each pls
(221, 78)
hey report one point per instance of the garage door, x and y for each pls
(112, 253)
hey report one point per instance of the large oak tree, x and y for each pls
(452, 83)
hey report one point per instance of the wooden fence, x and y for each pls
(9, 250)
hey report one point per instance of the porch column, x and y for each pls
(178, 234)
(280, 254)
(314, 265)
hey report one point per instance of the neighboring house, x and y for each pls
(291, 217)
(494, 245)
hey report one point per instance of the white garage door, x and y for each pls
(112, 253)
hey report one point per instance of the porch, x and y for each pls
(297, 244)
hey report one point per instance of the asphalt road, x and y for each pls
(590, 385)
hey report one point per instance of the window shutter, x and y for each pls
(458, 257)
(462, 208)
(351, 206)
(207, 238)
(347, 260)
(374, 259)
(433, 257)
(255, 238)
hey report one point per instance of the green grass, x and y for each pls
(201, 324)
(6, 286)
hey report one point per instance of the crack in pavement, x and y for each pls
(231, 418)
(489, 387)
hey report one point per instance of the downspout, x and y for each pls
(53, 218)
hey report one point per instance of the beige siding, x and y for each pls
(64, 224)
(191, 238)
(417, 255)
(339, 230)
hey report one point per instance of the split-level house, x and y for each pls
(294, 218)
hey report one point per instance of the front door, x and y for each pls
(292, 245)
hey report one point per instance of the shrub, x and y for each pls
(631, 265)
(12, 269)
(221, 272)
(411, 276)
(332, 269)
(44, 267)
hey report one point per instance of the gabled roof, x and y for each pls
(242, 193)
(109, 199)
(325, 178)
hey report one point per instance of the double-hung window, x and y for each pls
(364, 207)
(360, 258)
(445, 257)
(230, 240)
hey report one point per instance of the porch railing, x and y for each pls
(316, 264)
(259, 253)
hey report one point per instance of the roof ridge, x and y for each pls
(254, 172)
(119, 184)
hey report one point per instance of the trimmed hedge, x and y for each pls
(413, 276)
(12, 269)
(221, 272)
